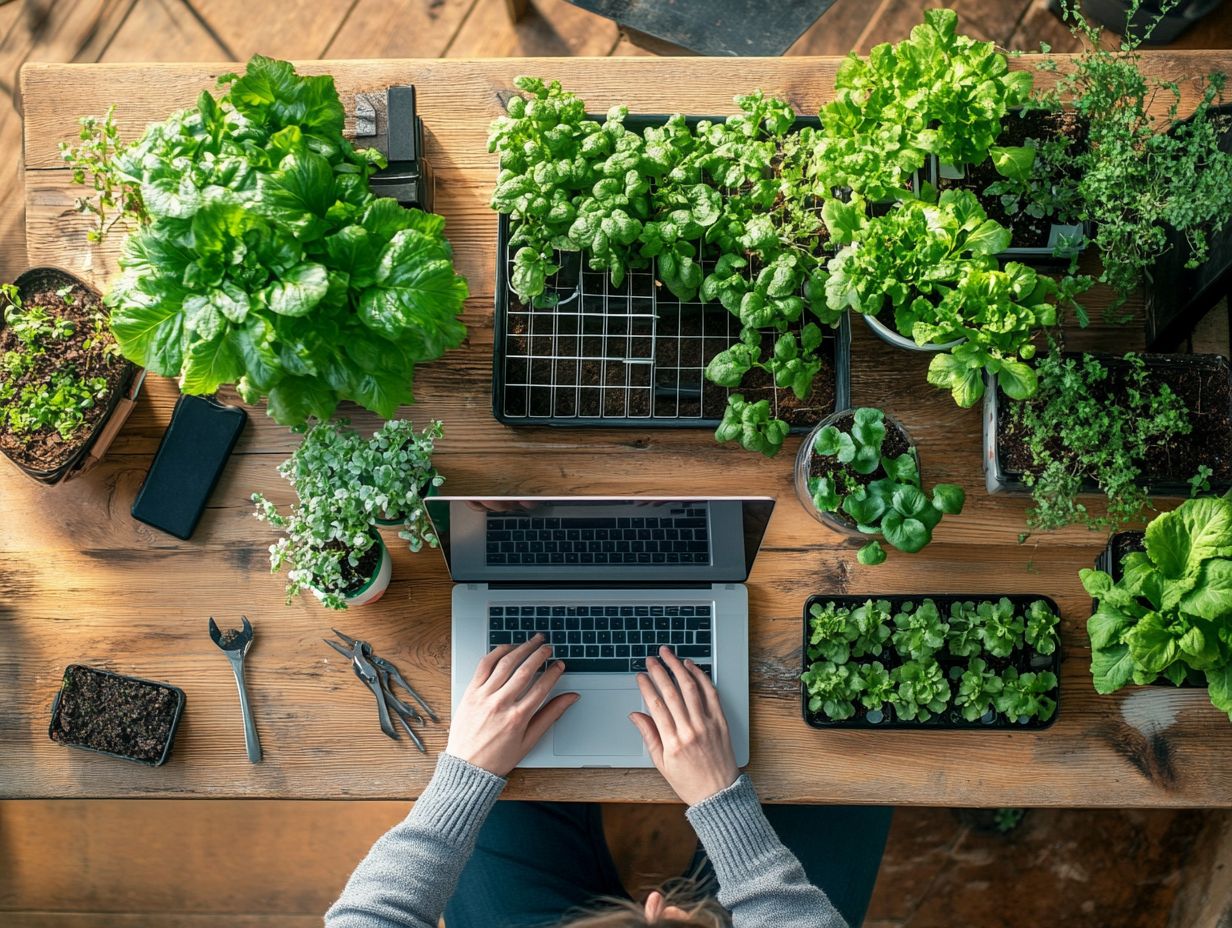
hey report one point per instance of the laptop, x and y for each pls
(607, 581)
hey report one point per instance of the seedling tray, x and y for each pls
(105, 429)
(1023, 659)
(1000, 479)
(56, 729)
(634, 355)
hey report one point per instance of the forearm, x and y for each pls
(411, 872)
(760, 881)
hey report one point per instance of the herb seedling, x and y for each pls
(832, 689)
(920, 631)
(1024, 695)
(978, 689)
(921, 690)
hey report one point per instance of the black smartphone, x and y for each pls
(189, 461)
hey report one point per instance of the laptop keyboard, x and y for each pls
(650, 540)
(608, 639)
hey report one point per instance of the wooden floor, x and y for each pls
(163, 863)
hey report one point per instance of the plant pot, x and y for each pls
(1178, 297)
(889, 335)
(118, 405)
(1023, 659)
(803, 470)
(1115, 15)
(999, 478)
(1121, 543)
(138, 723)
(373, 588)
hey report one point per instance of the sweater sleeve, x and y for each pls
(760, 881)
(411, 872)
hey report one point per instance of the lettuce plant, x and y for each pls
(1001, 628)
(978, 688)
(936, 92)
(267, 263)
(1041, 627)
(837, 633)
(833, 689)
(893, 506)
(1170, 614)
(920, 632)
(932, 265)
(921, 690)
(1025, 695)
(876, 686)
(965, 635)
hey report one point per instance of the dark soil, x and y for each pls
(355, 577)
(44, 449)
(1124, 543)
(820, 465)
(1204, 388)
(1023, 659)
(1038, 125)
(115, 714)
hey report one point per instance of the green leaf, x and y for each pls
(905, 533)
(1178, 541)
(1013, 163)
(210, 364)
(990, 238)
(868, 427)
(1211, 596)
(902, 469)
(1219, 687)
(298, 293)
(1111, 668)
(949, 498)
(1018, 380)
(871, 554)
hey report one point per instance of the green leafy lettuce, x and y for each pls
(267, 263)
(1170, 614)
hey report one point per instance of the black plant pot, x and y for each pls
(1178, 297)
(137, 723)
(1115, 15)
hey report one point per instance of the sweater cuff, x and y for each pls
(457, 800)
(733, 829)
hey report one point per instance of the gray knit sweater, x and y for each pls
(411, 872)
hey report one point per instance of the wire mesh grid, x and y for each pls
(607, 352)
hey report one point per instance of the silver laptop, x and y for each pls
(607, 582)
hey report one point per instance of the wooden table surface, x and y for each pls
(80, 581)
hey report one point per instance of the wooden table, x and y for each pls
(81, 581)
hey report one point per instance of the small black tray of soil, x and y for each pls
(1039, 239)
(43, 453)
(1109, 561)
(634, 356)
(1177, 297)
(1023, 659)
(1203, 382)
(125, 717)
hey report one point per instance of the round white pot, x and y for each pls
(887, 334)
(375, 586)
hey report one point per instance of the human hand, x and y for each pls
(502, 715)
(685, 732)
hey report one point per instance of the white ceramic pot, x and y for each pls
(887, 334)
(375, 586)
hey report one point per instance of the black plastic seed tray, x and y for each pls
(633, 355)
(66, 740)
(1024, 659)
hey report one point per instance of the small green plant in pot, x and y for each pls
(345, 483)
(858, 473)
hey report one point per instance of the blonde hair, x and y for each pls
(703, 912)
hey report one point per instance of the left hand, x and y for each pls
(502, 715)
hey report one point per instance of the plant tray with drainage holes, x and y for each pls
(634, 355)
(1023, 659)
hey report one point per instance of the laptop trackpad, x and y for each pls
(598, 724)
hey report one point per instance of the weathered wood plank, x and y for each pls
(549, 28)
(180, 35)
(79, 580)
(402, 28)
(287, 29)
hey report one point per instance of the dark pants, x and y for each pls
(537, 861)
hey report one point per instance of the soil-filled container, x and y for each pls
(888, 334)
(120, 716)
(1035, 240)
(1023, 659)
(634, 355)
(1202, 382)
(44, 454)
(1109, 561)
(370, 577)
(1178, 297)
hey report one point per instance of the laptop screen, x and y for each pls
(599, 539)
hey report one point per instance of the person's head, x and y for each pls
(677, 909)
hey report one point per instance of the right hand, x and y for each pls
(685, 732)
(502, 715)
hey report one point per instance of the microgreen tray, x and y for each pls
(1023, 659)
